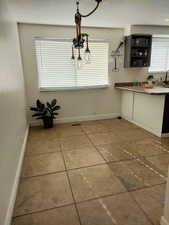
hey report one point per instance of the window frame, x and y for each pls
(54, 89)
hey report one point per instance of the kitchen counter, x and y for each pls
(132, 88)
(140, 89)
(146, 107)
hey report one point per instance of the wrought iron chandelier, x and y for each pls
(81, 39)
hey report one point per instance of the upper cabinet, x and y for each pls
(137, 50)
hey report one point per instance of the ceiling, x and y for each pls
(111, 13)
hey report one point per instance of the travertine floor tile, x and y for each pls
(38, 133)
(134, 135)
(119, 209)
(44, 192)
(161, 162)
(94, 128)
(92, 182)
(42, 145)
(59, 216)
(75, 142)
(135, 175)
(118, 125)
(90, 122)
(69, 131)
(82, 157)
(122, 128)
(42, 164)
(103, 138)
(114, 122)
(151, 200)
(145, 147)
(114, 152)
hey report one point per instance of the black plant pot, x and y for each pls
(48, 122)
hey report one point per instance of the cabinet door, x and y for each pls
(127, 105)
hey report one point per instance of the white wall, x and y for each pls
(12, 109)
(79, 104)
(142, 29)
(165, 218)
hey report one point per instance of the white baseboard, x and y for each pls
(164, 221)
(79, 118)
(16, 182)
(148, 129)
(144, 127)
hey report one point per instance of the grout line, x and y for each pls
(146, 215)
(146, 165)
(44, 210)
(103, 196)
(146, 187)
(27, 155)
(67, 174)
(44, 174)
(88, 200)
(115, 194)
(94, 146)
(62, 171)
(83, 167)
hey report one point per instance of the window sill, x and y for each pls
(74, 88)
(156, 72)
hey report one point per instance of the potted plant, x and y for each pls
(46, 112)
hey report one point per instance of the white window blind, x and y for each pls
(56, 70)
(159, 55)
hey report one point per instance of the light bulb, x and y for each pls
(73, 60)
(79, 64)
(87, 56)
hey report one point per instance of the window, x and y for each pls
(159, 55)
(56, 70)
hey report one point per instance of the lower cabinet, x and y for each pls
(144, 110)
(127, 105)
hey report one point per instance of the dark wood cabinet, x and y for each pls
(137, 50)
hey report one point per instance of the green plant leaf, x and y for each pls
(57, 107)
(37, 114)
(39, 104)
(34, 109)
(49, 105)
(53, 102)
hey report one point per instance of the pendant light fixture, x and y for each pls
(81, 39)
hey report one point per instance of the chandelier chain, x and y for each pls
(81, 38)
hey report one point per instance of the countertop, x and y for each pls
(140, 89)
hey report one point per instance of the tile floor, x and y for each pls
(107, 172)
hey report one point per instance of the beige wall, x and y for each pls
(79, 104)
(12, 113)
(142, 29)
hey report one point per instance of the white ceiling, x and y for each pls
(111, 13)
